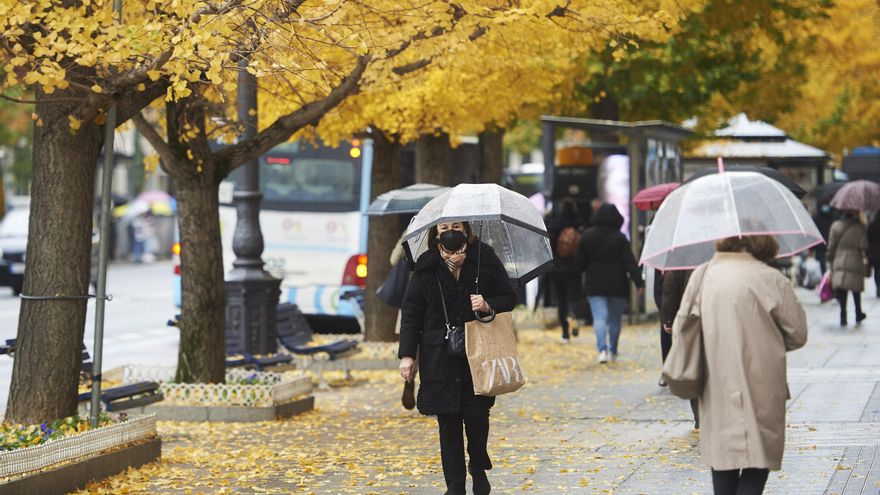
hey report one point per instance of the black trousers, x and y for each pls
(665, 343)
(476, 426)
(840, 295)
(567, 284)
(749, 481)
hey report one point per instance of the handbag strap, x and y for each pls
(695, 300)
(443, 300)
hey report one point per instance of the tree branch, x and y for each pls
(309, 114)
(132, 101)
(168, 157)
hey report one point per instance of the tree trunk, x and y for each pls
(202, 355)
(492, 155)
(381, 318)
(433, 158)
(45, 373)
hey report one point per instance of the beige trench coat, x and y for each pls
(847, 252)
(750, 317)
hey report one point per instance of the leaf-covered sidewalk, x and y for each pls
(577, 427)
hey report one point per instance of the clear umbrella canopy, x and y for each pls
(714, 207)
(409, 199)
(503, 219)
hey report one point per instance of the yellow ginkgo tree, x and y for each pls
(309, 57)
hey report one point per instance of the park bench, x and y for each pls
(295, 334)
(237, 357)
(114, 398)
(123, 397)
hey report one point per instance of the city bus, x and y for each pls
(314, 232)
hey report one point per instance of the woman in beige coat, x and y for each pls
(750, 318)
(847, 256)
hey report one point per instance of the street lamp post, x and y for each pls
(251, 292)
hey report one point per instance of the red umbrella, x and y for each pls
(651, 197)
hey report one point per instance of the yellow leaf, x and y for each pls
(97, 88)
(75, 123)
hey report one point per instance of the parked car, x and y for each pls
(13, 245)
(13, 249)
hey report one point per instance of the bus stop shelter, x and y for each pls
(653, 149)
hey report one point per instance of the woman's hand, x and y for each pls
(667, 328)
(479, 304)
(407, 368)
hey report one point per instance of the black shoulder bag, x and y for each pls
(454, 333)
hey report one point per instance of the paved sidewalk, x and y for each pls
(578, 427)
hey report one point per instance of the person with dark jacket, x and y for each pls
(567, 277)
(446, 388)
(665, 337)
(606, 256)
(874, 249)
(674, 284)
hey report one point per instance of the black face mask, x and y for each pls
(452, 240)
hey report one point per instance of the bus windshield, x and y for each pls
(299, 177)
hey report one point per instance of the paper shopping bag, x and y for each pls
(492, 357)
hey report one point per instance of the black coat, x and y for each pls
(443, 378)
(605, 254)
(874, 240)
(674, 284)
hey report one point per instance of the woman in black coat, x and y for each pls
(605, 254)
(446, 389)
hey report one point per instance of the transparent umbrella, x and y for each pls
(503, 219)
(409, 199)
(697, 214)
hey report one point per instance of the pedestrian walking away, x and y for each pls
(874, 249)
(674, 284)
(749, 317)
(443, 284)
(847, 256)
(606, 256)
(564, 228)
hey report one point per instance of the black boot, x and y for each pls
(455, 490)
(860, 317)
(481, 481)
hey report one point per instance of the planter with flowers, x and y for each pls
(246, 395)
(66, 454)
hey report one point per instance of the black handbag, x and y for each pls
(394, 288)
(454, 333)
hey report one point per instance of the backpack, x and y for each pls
(567, 242)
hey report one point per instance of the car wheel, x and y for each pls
(16, 290)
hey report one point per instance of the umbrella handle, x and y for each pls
(486, 319)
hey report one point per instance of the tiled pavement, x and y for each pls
(577, 428)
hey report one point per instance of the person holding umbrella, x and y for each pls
(744, 305)
(512, 246)
(444, 286)
(847, 255)
(848, 243)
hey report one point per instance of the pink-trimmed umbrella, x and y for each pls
(859, 195)
(650, 198)
(696, 215)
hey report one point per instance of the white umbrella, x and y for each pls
(729, 204)
(504, 219)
